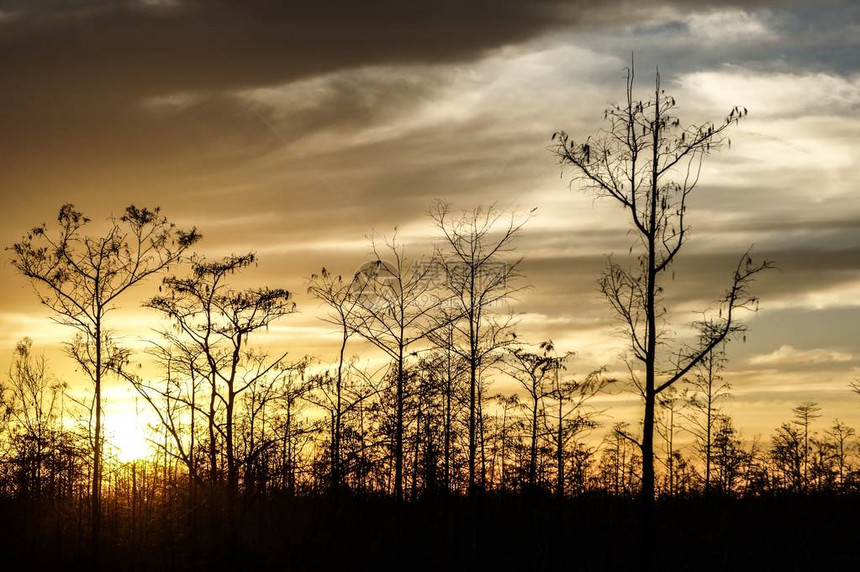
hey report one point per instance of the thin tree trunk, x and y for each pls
(709, 421)
(448, 391)
(336, 464)
(232, 477)
(97, 447)
(647, 493)
(414, 491)
(473, 445)
(213, 450)
(502, 479)
(559, 485)
(398, 437)
(482, 441)
(533, 448)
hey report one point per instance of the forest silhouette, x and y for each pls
(264, 459)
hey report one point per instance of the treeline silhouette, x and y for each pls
(259, 458)
(405, 451)
(285, 446)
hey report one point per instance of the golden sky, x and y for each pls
(239, 118)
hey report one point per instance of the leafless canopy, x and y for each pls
(80, 277)
(647, 162)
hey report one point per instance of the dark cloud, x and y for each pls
(76, 73)
(132, 50)
(795, 36)
(165, 46)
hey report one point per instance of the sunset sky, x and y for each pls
(299, 130)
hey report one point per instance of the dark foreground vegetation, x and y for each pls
(499, 532)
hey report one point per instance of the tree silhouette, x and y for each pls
(646, 162)
(81, 277)
(451, 368)
(478, 277)
(620, 463)
(395, 309)
(727, 454)
(343, 299)
(216, 321)
(508, 425)
(570, 415)
(340, 395)
(787, 455)
(672, 402)
(174, 398)
(804, 415)
(840, 434)
(707, 388)
(34, 401)
(531, 371)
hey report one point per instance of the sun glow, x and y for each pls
(127, 437)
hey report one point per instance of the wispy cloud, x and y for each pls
(720, 26)
(788, 355)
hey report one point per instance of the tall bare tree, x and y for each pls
(707, 389)
(532, 372)
(839, 435)
(451, 369)
(672, 403)
(571, 415)
(787, 457)
(804, 415)
(35, 403)
(340, 395)
(215, 322)
(728, 455)
(395, 311)
(174, 398)
(507, 426)
(343, 299)
(479, 274)
(650, 165)
(620, 463)
(81, 277)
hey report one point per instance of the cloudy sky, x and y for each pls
(299, 129)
